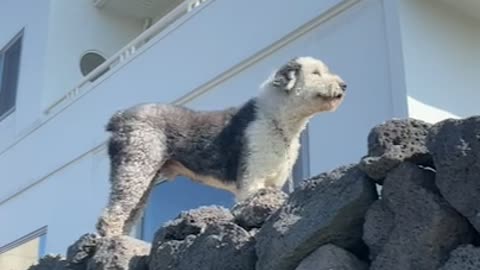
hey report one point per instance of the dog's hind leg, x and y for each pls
(136, 157)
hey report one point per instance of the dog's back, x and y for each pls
(210, 143)
(215, 143)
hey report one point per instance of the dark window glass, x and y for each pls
(10, 66)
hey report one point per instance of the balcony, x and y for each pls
(139, 9)
(164, 16)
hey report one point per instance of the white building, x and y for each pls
(400, 58)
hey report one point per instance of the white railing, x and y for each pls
(125, 53)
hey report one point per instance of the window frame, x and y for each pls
(3, 50)
(301, 168)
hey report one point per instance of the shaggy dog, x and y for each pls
(239, 149)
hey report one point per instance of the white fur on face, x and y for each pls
(319, 88)
(312, 89)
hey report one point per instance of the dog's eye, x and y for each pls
(316, 72)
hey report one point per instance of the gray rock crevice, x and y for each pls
(421, 228)
(455, 147)
(330, 257)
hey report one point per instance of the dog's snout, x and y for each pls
(343, 86)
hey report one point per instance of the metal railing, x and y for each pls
(125, 53)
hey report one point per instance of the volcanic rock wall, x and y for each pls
(412, 203)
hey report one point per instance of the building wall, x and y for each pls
(21, 257)
(76, 27)
(32, 17)
(339, 137)
(216, 58)
(442, 60)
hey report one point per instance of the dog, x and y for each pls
(240, 150)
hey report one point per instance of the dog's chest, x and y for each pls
(271, 154)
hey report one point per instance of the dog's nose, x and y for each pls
(343, 86)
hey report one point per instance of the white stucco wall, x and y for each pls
(74, 28)
(64, 184)
(442, 60)
(15, 16)
(340, 137)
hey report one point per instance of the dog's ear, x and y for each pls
(286, 77)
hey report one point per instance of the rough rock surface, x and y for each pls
(463, 258)
(223, 245)
(192, 223)
(50, 262)
(329, 208)
(455, 146)
(167, 255)
(80, 252)
(393, 142)
(412, 226)
(120, 253)
(420, 222)
(379, 222)
(205, 238)
(331, 257)
(252, 212)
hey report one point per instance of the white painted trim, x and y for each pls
(24, 239)
(95, 149)
(289, 38)
(393, 35)
(7, 113)
(17, 36)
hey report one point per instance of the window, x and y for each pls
(168, 199)
(90, 61)
(21, 254)
(9, 69)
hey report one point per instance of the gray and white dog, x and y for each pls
(239, 149)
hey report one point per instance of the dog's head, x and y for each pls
(308, 84)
